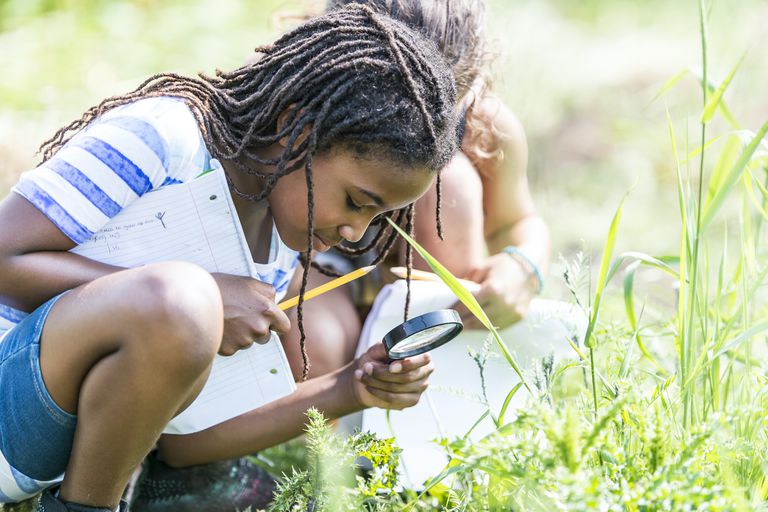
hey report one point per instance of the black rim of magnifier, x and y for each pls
(420, 323)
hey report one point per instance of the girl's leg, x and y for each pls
(126, 353)
(332, 327)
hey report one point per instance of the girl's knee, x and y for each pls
(178, 312)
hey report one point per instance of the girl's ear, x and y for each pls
(282, 119)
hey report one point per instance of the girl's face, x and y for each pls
(349, 191)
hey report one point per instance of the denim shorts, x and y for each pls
(35, 433)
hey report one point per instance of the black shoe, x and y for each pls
(49, 502)
(218, 487)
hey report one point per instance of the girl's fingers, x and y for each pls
(405, 370)
(383, 375)
(409, 387)
(279, 320)
(262, 339)
(394, 400)
(410, 363)
(377, 352)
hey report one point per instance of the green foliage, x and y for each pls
(333, 479)
(554, 458)
(668, 408)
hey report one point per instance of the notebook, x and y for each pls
(197, 222)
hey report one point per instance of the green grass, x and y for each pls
(666, 410)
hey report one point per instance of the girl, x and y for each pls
(494, 234)
(343, 119)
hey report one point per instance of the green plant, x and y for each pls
(333, 479)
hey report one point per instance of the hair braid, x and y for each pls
(438, 208)
(305, 273)
(410, 215)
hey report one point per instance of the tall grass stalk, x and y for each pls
(706, 325)
(602, 280)
(688, 345)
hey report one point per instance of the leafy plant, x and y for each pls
(333, 479)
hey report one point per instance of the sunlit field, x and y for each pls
(646, 124)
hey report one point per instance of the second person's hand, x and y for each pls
(506, 291)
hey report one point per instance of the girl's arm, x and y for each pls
(34, 262)
(510, 214)
(486, 203)
(35, 265)
(369, 381)
(510, 279)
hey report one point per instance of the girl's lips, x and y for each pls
(319, 244)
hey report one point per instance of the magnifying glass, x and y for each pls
(422, 333)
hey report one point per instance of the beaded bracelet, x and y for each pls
(515, 252)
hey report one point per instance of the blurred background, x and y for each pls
(582, 75)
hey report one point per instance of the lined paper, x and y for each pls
(196, 222)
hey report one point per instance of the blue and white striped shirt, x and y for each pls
(116, 159)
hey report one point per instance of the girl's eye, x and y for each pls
(352, 205)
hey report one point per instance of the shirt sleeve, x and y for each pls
(111, 163)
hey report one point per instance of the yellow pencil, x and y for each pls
(421, 275)
(330, 285)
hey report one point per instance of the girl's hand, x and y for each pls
(250, 312)
(390, 385)
(506, 290)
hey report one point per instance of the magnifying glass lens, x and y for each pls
(421, 339)
(422, 333)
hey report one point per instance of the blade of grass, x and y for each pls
(681, 341)
(602, 277)
(448, 471)
(503, 411)
(466, 298)
(629, 306)
(741, 338)
(478, 421)
(725, 162)
(605, 263)
(585, 359)
(693, 154)
(693, 278)
(669, 84)
(642, 258)
(722, 106)
(732, 177)
(714, 101)
(749, 187)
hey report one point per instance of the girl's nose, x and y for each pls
(353, 233)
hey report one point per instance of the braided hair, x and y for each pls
(352, 78)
